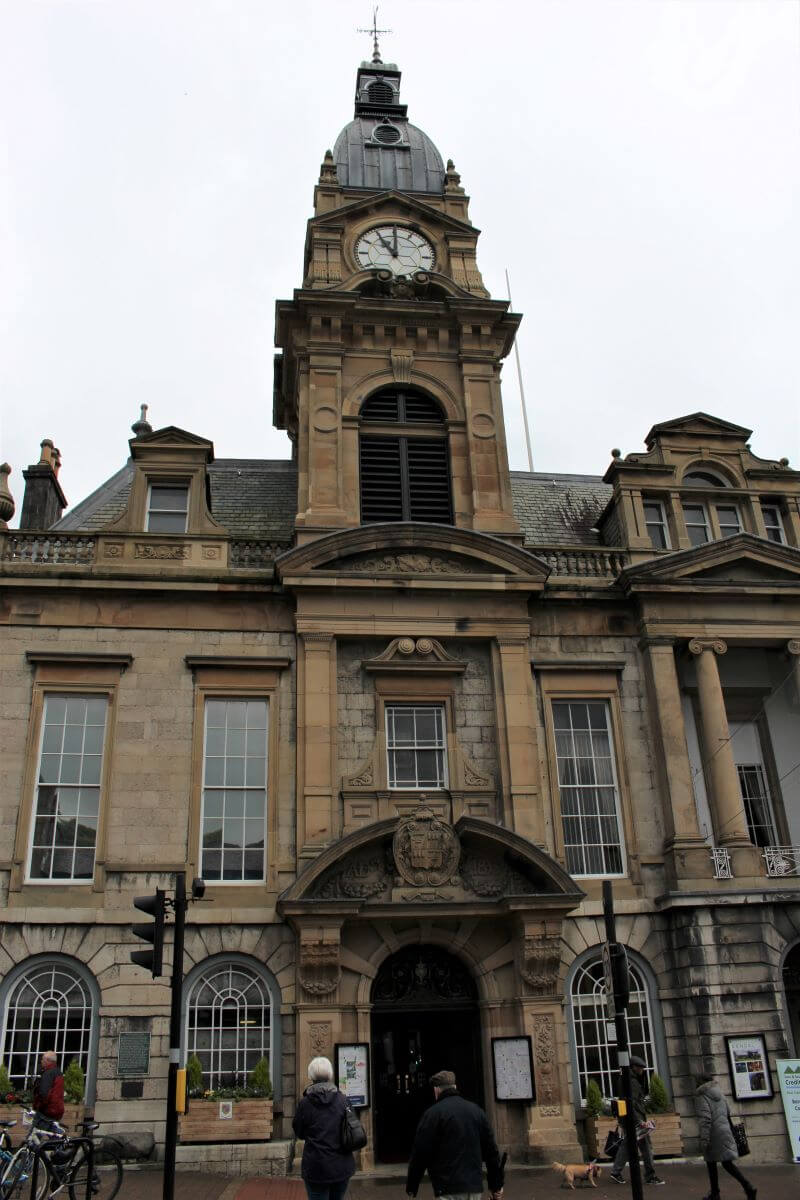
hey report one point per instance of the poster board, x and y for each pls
(749, 1067)
(352, 1072)
(789, 1081)
(512, 1061)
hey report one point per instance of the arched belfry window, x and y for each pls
(596, 1055)
(380, 92)
(404, 459)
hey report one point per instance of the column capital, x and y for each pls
(650, 641)
(698, 645)
(324, 639)
(793, 646)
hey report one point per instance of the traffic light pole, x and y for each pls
(623, 1055)
(171, 1137)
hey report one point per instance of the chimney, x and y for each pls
(44, 501)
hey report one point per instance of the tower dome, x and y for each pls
(380, 150)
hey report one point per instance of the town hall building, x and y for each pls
(404, 710)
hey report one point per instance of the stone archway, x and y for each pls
(425, 1018)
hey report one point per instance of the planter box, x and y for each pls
(666, 1137)
(71, 1120)
(250, 1121)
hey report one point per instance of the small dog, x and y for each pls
(573, 1173)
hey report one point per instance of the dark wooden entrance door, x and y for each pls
(425, 1019)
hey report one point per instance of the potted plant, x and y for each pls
(597, 1123)
(666, 1137)
(233, 1113)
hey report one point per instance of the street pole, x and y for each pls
(623, 1056)
(171, 1135)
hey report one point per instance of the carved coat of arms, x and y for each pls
(426, 850)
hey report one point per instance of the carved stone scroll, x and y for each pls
(541, 959)
(546, 1076)
(319, 969)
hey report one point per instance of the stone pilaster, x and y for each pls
(316, 726)
(525, 813)
(793, 650)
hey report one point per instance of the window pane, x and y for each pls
(66, 816)
(228, 1019)
(48, 1008)
(235, 728)
(174, 498)
(164, 522)
(596, 1056)
(587, 787)
(415, 740)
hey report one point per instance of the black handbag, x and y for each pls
(352, 1134)
(612, 1143)
(740, 1137)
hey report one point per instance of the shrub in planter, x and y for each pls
(657, 1098)
(594, 1099)
(258, 1081)
(194, 1075)
(6, 1089)
(74, 1083)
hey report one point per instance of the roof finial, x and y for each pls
(142, 426)
(374, 31)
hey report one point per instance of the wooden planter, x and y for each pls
(250, 1121)
(666, 1137)
(71, 1120)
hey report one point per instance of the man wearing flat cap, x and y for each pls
(638, 1094)
(453, 1138)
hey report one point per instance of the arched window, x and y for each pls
(596, 1056)
(49, 1005)
(704, 479)
(229, 1020)
(380, 92)
(404, 460)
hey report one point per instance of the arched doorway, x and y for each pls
(425, 1019)
(791, 988)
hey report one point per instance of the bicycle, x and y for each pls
(16, 1167)
(65, 1164)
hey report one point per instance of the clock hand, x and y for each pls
(394, 234)
(381, 238)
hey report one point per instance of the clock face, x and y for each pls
(395, 248)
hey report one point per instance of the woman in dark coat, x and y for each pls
(326, 1168)
(716, 1139)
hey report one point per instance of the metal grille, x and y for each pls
(415, 746)
(403, 408)
(405, 479)
(757, 804)
(68, 792)
(228, 1023)
(588, 788)
(387, 135)
(380, 93)
(597, 1057)
(49, 1008)
(235, 790)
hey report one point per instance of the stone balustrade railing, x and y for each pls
(584, 562)
(48, 549)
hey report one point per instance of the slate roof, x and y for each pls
(257, 498)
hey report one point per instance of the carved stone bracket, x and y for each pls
(402, 365)
(541, 960)
(320, 1037)
(319, 969)
(415, 654)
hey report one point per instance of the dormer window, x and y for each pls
(167, 507)
(729, 522)
(404, 459)
(773, 523)
(656, 523)
(696, 519)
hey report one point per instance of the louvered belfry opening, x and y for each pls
(380, 92)
(404, 459)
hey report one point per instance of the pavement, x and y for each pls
(683, 1181)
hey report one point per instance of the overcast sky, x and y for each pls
(635, 165)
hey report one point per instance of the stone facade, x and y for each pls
(646, 659)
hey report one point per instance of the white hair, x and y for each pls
(50, 1056)
(320, 1070)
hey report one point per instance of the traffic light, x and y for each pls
(620, 975)
(156, 907)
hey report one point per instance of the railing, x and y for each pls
(49, 548)
(246, 552)
(586, 562)
(721, 859)
(782, 860)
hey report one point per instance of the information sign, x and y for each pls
(133, 1053)
(789, 1079)
(513, 1068)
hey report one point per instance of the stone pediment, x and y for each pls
(392, 201)
(742, 560)
(697, 425)
(413, 551)
(422, 860)
(171, 435)
(407, 654)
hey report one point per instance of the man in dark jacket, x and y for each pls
(48, 1088)
(452, 1139)
(638, 1067)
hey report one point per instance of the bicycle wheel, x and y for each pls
(106, 1176)
(17, 1180)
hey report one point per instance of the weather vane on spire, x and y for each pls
(374, 31)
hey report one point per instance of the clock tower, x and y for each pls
(389, 376)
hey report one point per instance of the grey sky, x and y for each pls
(635, 165)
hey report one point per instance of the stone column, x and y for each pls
(316, 725)
(730, 823)
(523, 807)
(672, 756)
(793, 650)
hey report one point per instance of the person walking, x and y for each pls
(48, 1088)
(638, 1068)
(326, 1168)
(716, 1137)
(452, 1139)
